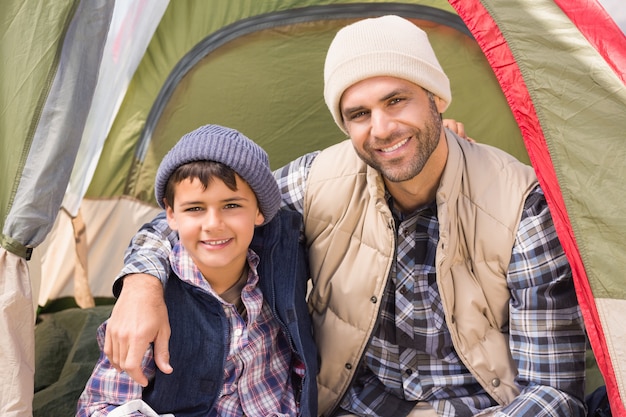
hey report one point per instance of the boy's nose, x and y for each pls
(212, 219)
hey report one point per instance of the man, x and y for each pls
(439, 283)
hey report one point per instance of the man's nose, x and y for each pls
(382, 125)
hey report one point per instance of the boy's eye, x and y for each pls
(231, 205)
(191, 209)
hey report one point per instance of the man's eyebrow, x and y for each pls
(396, 92)
(351, 110)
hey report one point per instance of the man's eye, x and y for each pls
(357, 115)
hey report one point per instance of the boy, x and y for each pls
(242, 344)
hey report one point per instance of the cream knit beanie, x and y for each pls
(383, 46)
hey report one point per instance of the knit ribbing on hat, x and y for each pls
(231, 148)
(383, 46)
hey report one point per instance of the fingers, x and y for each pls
(112, 350)
(136, 320)
(458, 128)
(161, 350)
(132, 363)
(125, 353)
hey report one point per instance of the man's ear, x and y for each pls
(440, 103)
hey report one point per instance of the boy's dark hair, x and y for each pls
(205, 171)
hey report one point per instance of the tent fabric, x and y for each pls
(283, 48)
(291, 23)
(133, 25)
(552, 110)
(57, 126)
(241, 72)
(104, 246)
(540, 79)
(605, 320)
(17, 346)
(608, 38)
(46, 94)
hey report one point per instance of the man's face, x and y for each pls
(394, 125)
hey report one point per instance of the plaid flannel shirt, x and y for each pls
(546, 331)
(254, 383)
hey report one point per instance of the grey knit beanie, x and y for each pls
(382, 46)
(231, 148)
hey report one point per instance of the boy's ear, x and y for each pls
(259, 218)
(171, 220)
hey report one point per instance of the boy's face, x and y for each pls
(215, 224)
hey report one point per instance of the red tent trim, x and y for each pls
(496, 50)
(600, 30)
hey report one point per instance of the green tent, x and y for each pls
(93, 93)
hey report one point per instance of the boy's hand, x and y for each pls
(139, 317)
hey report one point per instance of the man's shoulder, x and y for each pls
(489, 154)
(487, 164)
(339, 147)
(337, 160)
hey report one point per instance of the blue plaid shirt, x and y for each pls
(412, 358)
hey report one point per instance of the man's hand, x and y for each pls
(458, 128)
(139, 317)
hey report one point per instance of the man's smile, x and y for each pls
(394, 147)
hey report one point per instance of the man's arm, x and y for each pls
(148, 252)
(139, 316)
(547, 337)
(130, 329)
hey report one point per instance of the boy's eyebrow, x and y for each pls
(225, 200)
(238, 198)
(188, 203)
